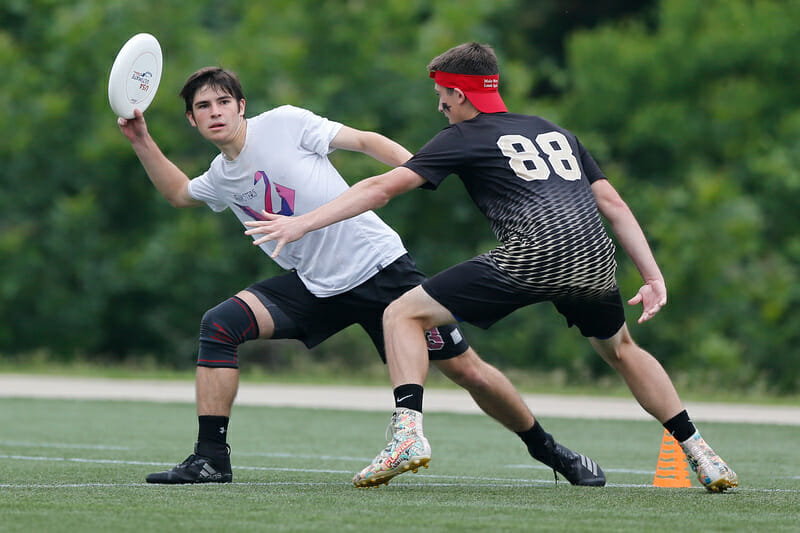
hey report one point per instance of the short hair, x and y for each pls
(214, 77)
(469, 58)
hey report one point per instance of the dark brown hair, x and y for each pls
(468, 58)
(216, 78)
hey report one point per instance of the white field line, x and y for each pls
(457, 481)
(316, 458)
(28, 444)
(374, 399)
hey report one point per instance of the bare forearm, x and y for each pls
(653, 294)
(167, 178)
(372, 144)
(633, 241)
(627, 229)
(361, 197)
(386, 151)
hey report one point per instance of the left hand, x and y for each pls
(278, 228)
(652, 296)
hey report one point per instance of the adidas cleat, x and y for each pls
(712, 472)
(576, 468)
(407, 450)
(196, 469)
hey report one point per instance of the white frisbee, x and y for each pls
(135, 75)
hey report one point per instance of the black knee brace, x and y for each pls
(222, 330)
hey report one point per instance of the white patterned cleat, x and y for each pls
(407, 450)
(713, 473)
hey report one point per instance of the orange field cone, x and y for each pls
(671, 470)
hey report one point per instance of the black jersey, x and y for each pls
(532, 180)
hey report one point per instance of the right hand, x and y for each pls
(278, 228)
(133, 128)
(652, 296)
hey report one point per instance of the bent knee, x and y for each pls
(619, 348)
(222, 329)
(403, 309)
(625, 354)
(415, 305)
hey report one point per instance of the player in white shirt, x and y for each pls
(344, 274)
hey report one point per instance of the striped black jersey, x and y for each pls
(532, 180)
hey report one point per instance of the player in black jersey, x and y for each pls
(543, 195)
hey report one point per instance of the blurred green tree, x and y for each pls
(690, 108)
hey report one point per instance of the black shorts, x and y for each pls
(298, 314)
(479, 293)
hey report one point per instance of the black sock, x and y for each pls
(680, 426)
(539, 443)
(212, 435)
(409, 396)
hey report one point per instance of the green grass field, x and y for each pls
(80, 466)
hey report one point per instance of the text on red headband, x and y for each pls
(467, 82)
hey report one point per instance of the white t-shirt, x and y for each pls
(284, 168)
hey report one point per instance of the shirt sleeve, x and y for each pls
(590, 166)
(202, 188)
(440, 157)
(314, 132)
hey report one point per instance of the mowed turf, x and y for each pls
(80, 466)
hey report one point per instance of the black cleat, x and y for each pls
(197, 469)
(576, 468)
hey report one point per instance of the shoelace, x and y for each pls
(189, 460)
(389, 434)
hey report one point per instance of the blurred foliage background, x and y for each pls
(691, 108)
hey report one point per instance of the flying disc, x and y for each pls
(135, 75)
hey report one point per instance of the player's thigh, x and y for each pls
(612, 348)
(266, 326)
(418, 305)
(476, 291)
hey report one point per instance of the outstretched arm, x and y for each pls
(372, 144)
(165, 175)
(653, 294)
(367, 194)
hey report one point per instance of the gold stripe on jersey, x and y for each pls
(579, 269)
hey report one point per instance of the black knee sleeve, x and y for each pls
(222, 330)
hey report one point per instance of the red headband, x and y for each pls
(480, 89)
